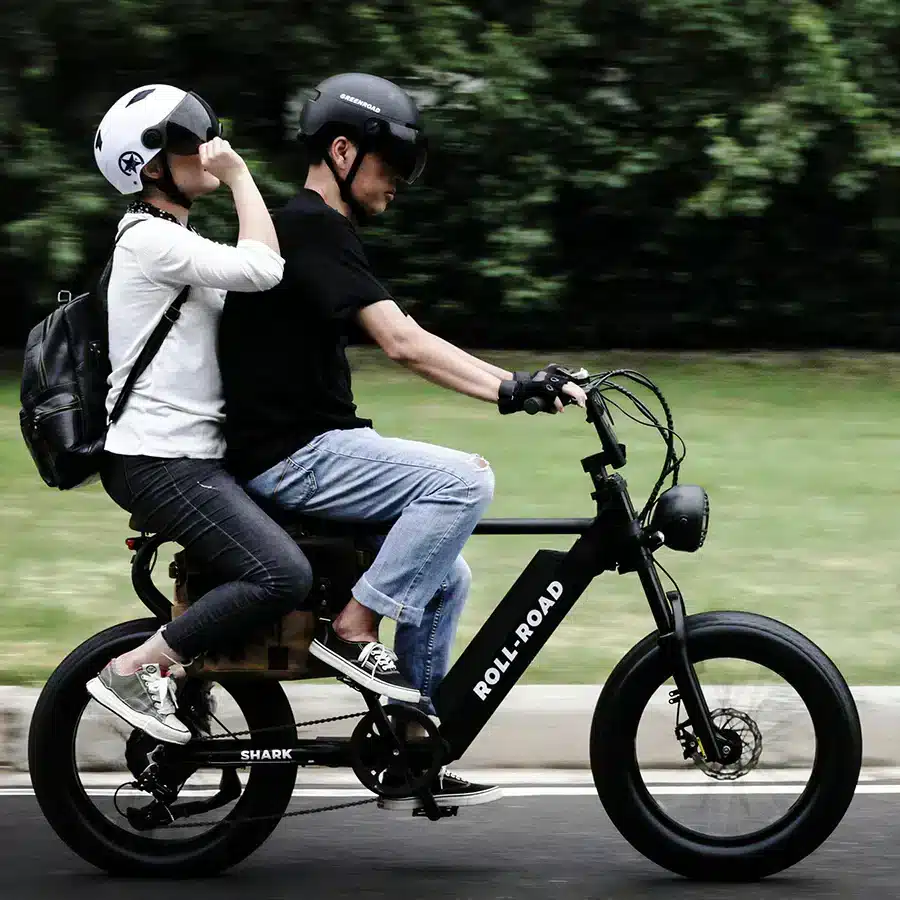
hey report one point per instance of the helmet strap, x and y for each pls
(167, 185)
(345, 185)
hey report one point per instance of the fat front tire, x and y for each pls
(804, 826)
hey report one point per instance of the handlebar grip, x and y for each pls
(534, 405)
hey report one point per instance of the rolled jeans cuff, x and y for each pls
(373, 599)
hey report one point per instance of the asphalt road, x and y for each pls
(559, 845)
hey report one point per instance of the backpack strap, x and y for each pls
(129, 225)
(154, 342)
(103, 283)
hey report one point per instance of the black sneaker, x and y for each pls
(448, 790)
(370, 664)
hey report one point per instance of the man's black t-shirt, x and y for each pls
(282, 352)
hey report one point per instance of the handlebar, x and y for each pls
(535, 405)
(544, 404)
(600, 388)
(597, 414)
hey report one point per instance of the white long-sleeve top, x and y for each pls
(176, 407)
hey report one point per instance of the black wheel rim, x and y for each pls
(72, 702)
(826, 777)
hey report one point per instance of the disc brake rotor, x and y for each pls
(741, 735)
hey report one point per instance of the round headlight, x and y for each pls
(681, 515)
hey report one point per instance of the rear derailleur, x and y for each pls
(163, 780)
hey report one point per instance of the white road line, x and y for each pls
(341, 779)
(667, 790)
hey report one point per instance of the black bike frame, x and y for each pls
(521, 624)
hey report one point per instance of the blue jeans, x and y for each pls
(437, 497)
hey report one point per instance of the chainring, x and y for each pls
(382, 761)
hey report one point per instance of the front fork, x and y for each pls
(634, 553)
(674, 645)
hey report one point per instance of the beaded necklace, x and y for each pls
(141, 206)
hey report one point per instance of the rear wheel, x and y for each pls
(86, 817)
(807, 777)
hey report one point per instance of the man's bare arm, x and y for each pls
(432, 358)
(502, 374)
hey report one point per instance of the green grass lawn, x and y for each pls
(799, 455)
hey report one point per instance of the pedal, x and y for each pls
(429, 806)
(443, 812)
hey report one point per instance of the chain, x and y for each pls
(302, 812)
(296, 725)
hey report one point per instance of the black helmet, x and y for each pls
(375, 114)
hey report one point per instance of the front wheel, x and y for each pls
(784, 708)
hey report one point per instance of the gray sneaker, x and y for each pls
(145, 700)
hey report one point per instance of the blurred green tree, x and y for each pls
(642, 173)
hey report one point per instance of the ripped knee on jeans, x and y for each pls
(484, 482)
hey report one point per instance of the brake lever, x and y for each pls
(579, 376)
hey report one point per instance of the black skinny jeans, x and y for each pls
(197, 504)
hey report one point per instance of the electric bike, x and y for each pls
(716, 744)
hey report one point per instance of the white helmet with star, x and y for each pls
(145, 121)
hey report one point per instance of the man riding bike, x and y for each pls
(293, 435)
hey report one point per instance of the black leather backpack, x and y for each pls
(65, 381)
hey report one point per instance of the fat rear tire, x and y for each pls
(98, 840)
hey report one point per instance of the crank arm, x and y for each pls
(674, 645)
(384, 723)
